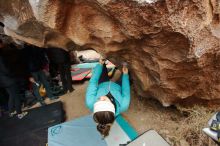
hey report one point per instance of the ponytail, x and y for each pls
(104, 129)
(104, 120)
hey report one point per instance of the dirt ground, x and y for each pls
(143, 114)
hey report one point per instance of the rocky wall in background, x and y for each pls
(172, 46)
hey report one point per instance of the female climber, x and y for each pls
(107, 98)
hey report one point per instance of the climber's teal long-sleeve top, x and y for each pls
(120, 93)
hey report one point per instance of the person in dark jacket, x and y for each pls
(61, 59)
(10, 73)
(36, 58)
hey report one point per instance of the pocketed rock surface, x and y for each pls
(172, 46)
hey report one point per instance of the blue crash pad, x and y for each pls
(83, 132)
(85, 65)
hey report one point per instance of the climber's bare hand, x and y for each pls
(125, 70)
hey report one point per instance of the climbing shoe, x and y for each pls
(12, 114)
(22, 115)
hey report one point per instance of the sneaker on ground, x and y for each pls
(12, 114)
(70, 91)
(22, 115)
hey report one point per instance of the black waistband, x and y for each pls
(112, 99)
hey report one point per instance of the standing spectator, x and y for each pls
(37, 60)
(61, 59)
(11, 71)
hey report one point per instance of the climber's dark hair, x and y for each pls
(104, 120)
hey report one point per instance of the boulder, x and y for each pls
(172, 46)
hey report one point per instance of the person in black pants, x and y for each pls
(11, 71)
(61, 59)
(37, 60)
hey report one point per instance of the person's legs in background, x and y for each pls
(68, 77)
(15, 101)
(65, 76)
(53, 69)
(11, 101)
(4, 100)
(61, 70)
